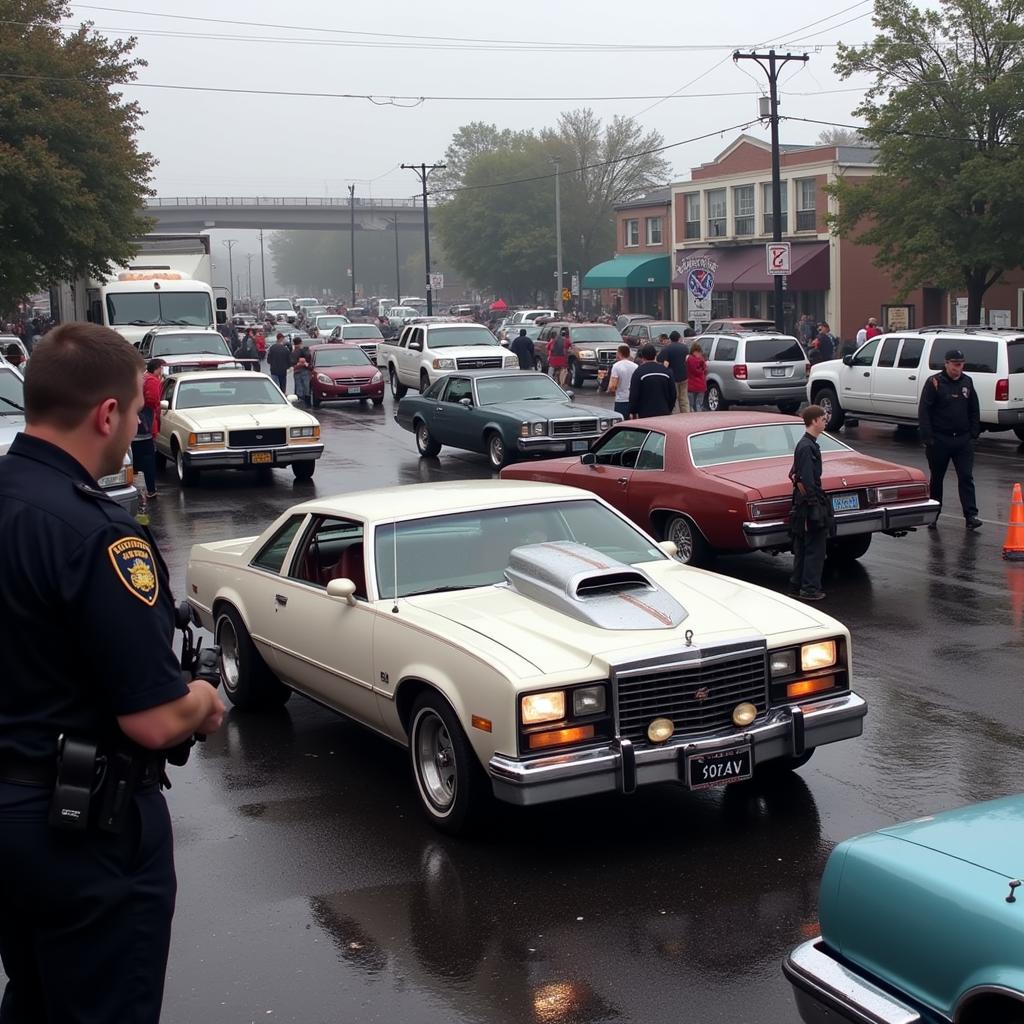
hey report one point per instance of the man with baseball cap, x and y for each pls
(949, 419)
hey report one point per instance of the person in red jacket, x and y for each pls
(144, 445)
(696, 377)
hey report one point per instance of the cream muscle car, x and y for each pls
(522, 639)
(225, 419)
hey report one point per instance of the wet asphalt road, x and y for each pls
(311, 890)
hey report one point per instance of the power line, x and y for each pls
(895, 132)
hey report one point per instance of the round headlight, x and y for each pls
(743, 714)
(660, 730)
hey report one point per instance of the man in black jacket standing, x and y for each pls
(522, 347)
(279, 360)
(949, 419)
(812, 514)
(652, 391)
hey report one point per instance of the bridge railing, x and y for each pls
(271, 201)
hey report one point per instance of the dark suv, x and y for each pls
(594, 347)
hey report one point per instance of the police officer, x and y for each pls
(949, 419)
(812, 514)
(87, 883)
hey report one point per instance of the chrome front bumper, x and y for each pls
(773, 533)
(573, 444)
(784, 732)
(235, 458)
(827, 992)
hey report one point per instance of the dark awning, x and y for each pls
(732, 263)
(629, 272)
(743, 268)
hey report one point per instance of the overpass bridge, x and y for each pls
(190, 214)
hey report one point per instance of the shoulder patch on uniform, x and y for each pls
(132, 559)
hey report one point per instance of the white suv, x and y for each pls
(883, 379)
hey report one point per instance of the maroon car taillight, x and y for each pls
(1002, 390)
(739, 371)
(773, 508)
(917, 491)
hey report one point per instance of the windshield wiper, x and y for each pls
(142, 323)
(436, 590)
(181, 323)
(13, 405)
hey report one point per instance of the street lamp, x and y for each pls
(393, 221)
(250, 256)
(558, 232)
(352, 236)
(230, 243)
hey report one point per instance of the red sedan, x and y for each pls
(344, 372)
(719, 482)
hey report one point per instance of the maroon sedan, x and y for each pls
(344, 373)
(719, 482)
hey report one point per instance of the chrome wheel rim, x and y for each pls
(229, 662)
(826, 404)
(435, 761)
(713, 398)
(394, 384)
(423, 438)
(179, 464)
(681, 535)
(497, 450)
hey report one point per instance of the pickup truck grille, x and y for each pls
(261, 437)
(606, 356)
(567, 428)
(479, 363)
(698, 699)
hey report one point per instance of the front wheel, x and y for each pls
(398, 389)
(713, 400)
(538, 365)
(576, 374)
(424, 381)
(378, 402)
(497, 451)
(692, 548)
(247, 680)
(304, 470)
(829, 402)
(187, 475)
(848, 549)
(427, 446)
(449, 780)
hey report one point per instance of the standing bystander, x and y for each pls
(619, 378)
(812, 514)
(558, 355)
(522, 348)
(696, 377)
(279, 361)
(144, 443)
(673, 357)
(652, 391)
(301, 363)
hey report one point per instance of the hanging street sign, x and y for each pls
(778, 257)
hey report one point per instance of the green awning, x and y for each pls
(629, 272)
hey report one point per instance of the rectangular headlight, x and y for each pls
(538, 429)
(209, 437)
(305, 432)
(605, 424)
(511, 361)
(821, 654)
(588, 700)
(543, 707)
(782, 663)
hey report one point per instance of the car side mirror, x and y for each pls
(467, 402)
(669, 547)
(164, 405)
(588, 459)
(571, 395)
(848, 359)
(342, 590)
(292, 399)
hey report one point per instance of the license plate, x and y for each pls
(261, 458)
(776, 371)
(580, 446)
(355, 390)
(845, 502)
(719, 768)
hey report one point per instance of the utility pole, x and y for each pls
(772, 63)
(558, 234)
(230, 243)
(250, 256)
(398, 273)
(422, 171)
(263, 270)
(352, 237)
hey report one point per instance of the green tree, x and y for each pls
(470, 141)
(945, 110)
(72, 179)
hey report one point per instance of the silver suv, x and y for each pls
(755, 369)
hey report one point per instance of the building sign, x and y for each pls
(436, 282)
(699, 272)
(999, 318)
(897, 318)
(575, 280)
(777, 255)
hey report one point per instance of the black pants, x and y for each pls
(960, 451)
(808, 560)
(85, 919)
(144, 461)
(282, 381)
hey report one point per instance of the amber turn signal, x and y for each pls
(557, 737)
(484, 724)
(805, 687)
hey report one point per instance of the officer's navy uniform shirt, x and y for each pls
(948, 407)
(86, 613)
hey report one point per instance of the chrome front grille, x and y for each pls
(571, 428)
(698, 698)
(606, 356)
(264, 437)
(479, 363)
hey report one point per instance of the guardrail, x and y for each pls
(263, 201)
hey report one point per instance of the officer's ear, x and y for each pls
(103, 416)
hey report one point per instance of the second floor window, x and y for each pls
(769, 208)
(691, 228)
(654, 231)
(716, 213)
(806, 205)
(743, 209)
(632, 233)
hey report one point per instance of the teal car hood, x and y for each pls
(544, 410)
(989, 835)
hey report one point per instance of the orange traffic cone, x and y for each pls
(1013, 546)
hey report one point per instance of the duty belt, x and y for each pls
(42, 772)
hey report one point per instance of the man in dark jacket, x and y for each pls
(652, 391)
(246, 350)
(673, 356)
(522, 346)
(812, 513)
(949, 419)
(279, 359)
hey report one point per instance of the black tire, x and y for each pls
(398, 389)
(426, 444)
(539, 365)
(781, 767)
(188, 476)
(835, 415)
(161, 462)
(378, 402)
(304, 470)
(713, 400)
(575, 374)
(449, 780)
(245, 676)
(788, 408)
(424, 381)
(1019, 431)
(497, 450)
(848, 549)
(693, 548)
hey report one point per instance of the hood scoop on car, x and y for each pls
(578, 581)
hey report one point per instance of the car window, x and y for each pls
(765, 441)
(331, 550)
(725, 349)
(622, 448)
(12, 393)
(981, 354)
(458, 389)
(652, 455)
(271, 555)
(865, 355)
(1015, 355)
(910, 354)
(435, 389)
(887, 357)
(168, 394)
(773, 350)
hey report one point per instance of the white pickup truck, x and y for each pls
(424, 352)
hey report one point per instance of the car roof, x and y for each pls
(219, 375)
(497, 371)
(686, 425)
(332, 345)
(182, 329)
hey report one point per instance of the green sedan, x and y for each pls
(502, 414)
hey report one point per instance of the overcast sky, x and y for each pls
(210, 143)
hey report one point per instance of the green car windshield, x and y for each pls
(530, 387)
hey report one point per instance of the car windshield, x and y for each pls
(190, 309)
(338, 356)
(247, 390)
(189, 344)
(516, 387)
(401, 311)
(12, 393)
(774, 350)
(450, 337)
(766, 441)
(463, 550)
(592, 334)
(362, 331)
(328, 323)
(278, 305)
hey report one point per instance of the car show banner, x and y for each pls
(700, 283)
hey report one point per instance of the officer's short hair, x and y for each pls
(74, 368)
(811, 413)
